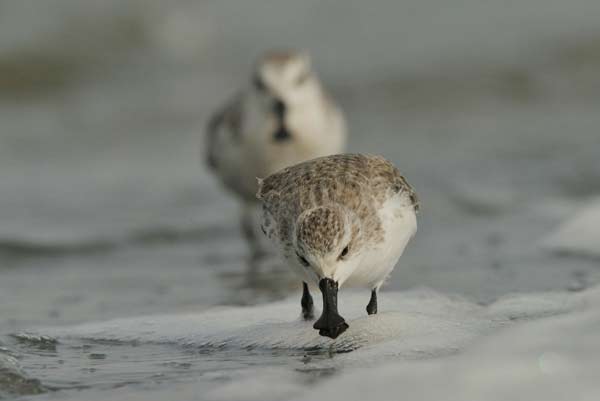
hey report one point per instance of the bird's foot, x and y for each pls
(330, 325)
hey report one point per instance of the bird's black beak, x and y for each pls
(282, 133)
(330, 324)
(279, 109)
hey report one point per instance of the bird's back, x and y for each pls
(361, 183)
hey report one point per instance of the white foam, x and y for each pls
(414, 324)
(579, 234)
(550, 359)
(423, 345)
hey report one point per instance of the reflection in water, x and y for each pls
(261, 280)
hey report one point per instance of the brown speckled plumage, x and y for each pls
(312, 191)
(279, 57)
(320, 229)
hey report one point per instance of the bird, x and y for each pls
(339, 220)
(281, 116)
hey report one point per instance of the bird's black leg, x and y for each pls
(308, 310)
(330, 324)
(372, 305)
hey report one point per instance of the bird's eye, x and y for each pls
(302, 78)
(303, 260)
(258, 83)
(344, 253)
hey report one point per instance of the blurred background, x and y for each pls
(490, 108)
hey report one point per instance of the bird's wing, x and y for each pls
(225, 122)
(383, 174)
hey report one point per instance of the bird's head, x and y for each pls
(326, 239)
(286, 77)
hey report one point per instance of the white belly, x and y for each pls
(400, 224)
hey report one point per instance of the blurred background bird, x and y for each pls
(282, 117)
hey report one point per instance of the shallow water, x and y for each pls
(73, 369)
(106, 211)
(213, 351)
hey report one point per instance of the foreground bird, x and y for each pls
(339, 220)
(281, 118)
